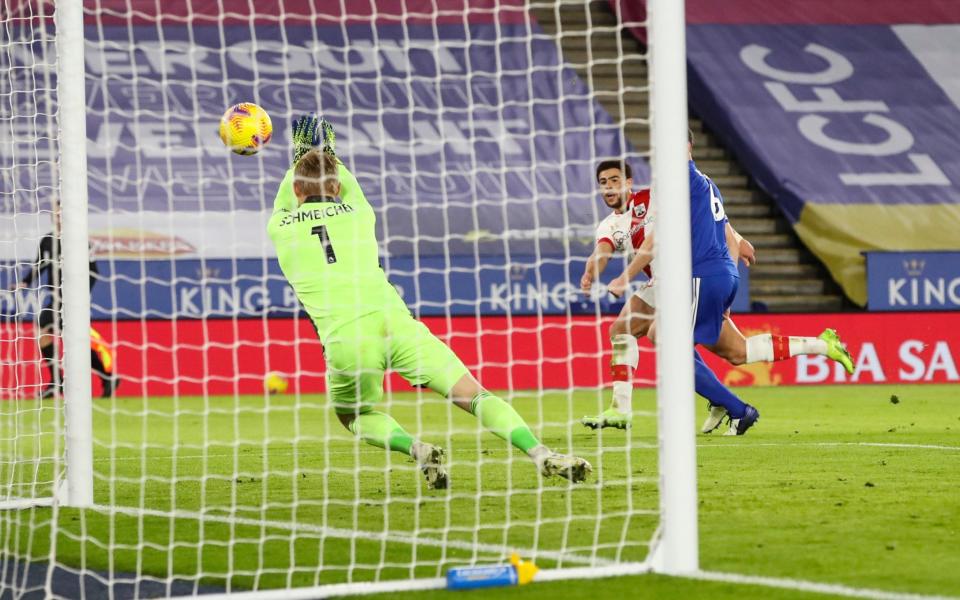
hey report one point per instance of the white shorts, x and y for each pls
(647, 293)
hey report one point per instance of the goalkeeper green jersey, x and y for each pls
(327, 249)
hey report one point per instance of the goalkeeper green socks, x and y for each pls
(381, 430)
(503, 421)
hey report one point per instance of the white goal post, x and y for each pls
(668, 116)
(61, 114)
(72, 112)
(476, 144)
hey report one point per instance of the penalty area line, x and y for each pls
(809, 586)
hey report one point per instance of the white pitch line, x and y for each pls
(256, 455)
(893, 445)
(833, 444)
(245, 455)
(582, 573)
(332, 590)
(810, 586)
(259, 455)
(376, 536)
(148, 457)
(107, 459)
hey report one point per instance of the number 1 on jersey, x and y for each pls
(321, 232)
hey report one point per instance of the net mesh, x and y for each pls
(474, 134)
(31, 446)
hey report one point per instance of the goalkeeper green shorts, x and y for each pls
(359, 352)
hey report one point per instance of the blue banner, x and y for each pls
(224, 288)
(913, 280)
(254, 287)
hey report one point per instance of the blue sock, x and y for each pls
(707, 385)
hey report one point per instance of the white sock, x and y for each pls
(623, 396)
(417, 450)
(760, 348)
(625, 350)
(626, 353)
(807, 345)
(538, 453)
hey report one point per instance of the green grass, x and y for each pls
(268, 492)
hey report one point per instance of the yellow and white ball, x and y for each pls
(245, 128)
(275, 383)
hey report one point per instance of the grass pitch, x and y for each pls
(835, 484)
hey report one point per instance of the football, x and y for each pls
(245, 128)
(275, 383)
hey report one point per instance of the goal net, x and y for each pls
(219, 464)
(31, 441)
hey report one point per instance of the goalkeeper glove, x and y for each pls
(328, 138)
(310, 132)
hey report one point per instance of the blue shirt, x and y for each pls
(708, 223)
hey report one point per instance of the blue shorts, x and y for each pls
(712, 297)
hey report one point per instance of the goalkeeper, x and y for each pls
(323, 229)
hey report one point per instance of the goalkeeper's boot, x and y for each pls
(741, 425)
(717, 415)
(430, 460)
(567, 466)
(609, 418)
(837, 350)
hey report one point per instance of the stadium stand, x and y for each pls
(788, 277)
(801, 94)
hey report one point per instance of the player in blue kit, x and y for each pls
(715, 282)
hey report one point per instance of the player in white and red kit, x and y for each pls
(727, 341)
(624, 231)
